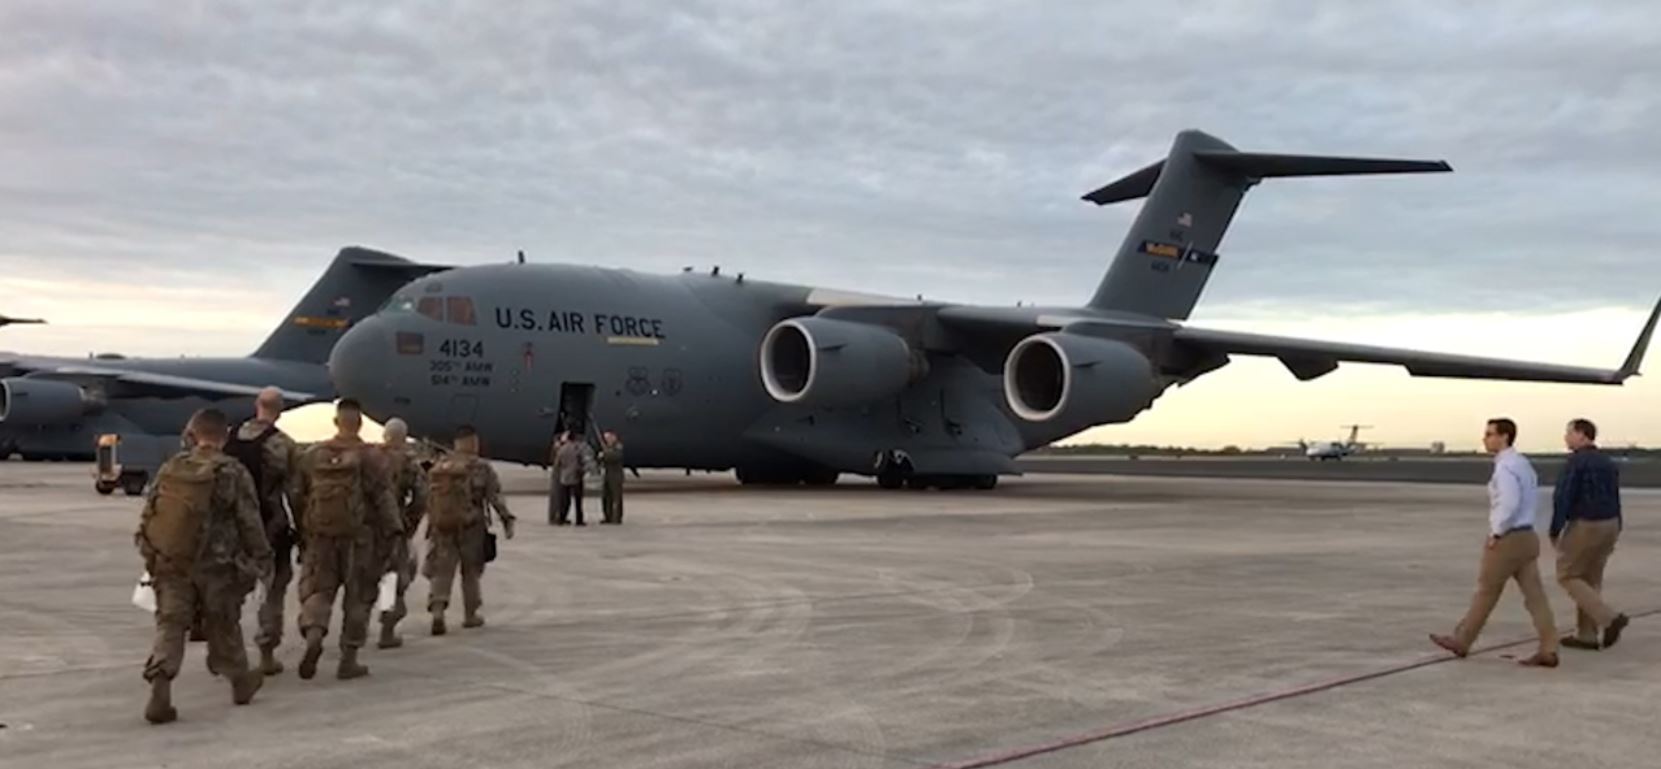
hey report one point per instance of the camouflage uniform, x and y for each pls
(279, 457)
(231, 554)
(332, 561)
(409, 492)
(446, 550)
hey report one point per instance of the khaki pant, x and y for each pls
(330, 563)
(270, 634)
(447, 551)
(1515, 556)
(1582, 552)
(218, 596)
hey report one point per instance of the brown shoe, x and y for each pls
(245, 685)
(1571, 642)
(473, 621)
(1612, 633)
(1539, 660)
(1449, 643)
(268, 662)
(438, 625)
(314, 652)
(389, 638)
(349, 667)
(159, 710)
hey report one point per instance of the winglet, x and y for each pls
(1630, 367)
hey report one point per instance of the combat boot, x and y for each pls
(314, 650)
(389, 639)
(438, 625)
(160, 708)
(268, 661)
(349, 667)
(244, 685)
(474, 619)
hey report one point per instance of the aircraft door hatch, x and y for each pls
(576, 409)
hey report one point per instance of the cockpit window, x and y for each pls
(432, 307)
(461, 310)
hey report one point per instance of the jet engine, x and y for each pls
(1067, 379)
(27, 402)
(826, 362)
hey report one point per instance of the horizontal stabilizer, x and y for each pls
(1136, 185)
(1250, 166)
(1263, 165)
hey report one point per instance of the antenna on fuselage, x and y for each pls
(521, 256)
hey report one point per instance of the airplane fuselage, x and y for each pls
(673, 365)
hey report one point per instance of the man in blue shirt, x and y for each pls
(1585, 522)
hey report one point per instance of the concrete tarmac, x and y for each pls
(852, 627)
(1638, 473)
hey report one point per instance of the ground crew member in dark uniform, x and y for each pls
(270, 457)
(611, 466)
(204, 545)
(464, 489)
(409, 492)
(345, 504)
(1586, 521)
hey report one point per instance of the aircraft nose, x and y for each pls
(361, 352)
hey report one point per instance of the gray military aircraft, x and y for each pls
(61, 408)
(792, 384)
(6, 320)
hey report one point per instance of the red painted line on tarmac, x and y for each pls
(1169, 719)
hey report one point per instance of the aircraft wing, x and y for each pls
(172, 384)
(1308, 359)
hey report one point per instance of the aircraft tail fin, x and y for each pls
(354, 285)
(1192, 194)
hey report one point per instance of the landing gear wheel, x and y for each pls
(105, 488)
(133, 483)
(986, 482)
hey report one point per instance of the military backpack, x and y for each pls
(333, 508)
(450, 503)
(173, 522)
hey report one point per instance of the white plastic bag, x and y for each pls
(144, 593)
(389, 592)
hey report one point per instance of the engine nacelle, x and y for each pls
(1071, 380)
(27, 402)
(826, 362)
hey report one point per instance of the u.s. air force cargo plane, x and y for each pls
(74, 408)
(793, 384)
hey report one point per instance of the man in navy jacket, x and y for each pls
(1586, 521)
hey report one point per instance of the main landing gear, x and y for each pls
(894, 471)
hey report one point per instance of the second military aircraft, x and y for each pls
(792, 384)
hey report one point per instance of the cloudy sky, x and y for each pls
(172, 175)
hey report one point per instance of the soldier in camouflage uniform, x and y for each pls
(463, 489)
(409, 491)
(204, 545)
(345, 505)
(271, 457)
